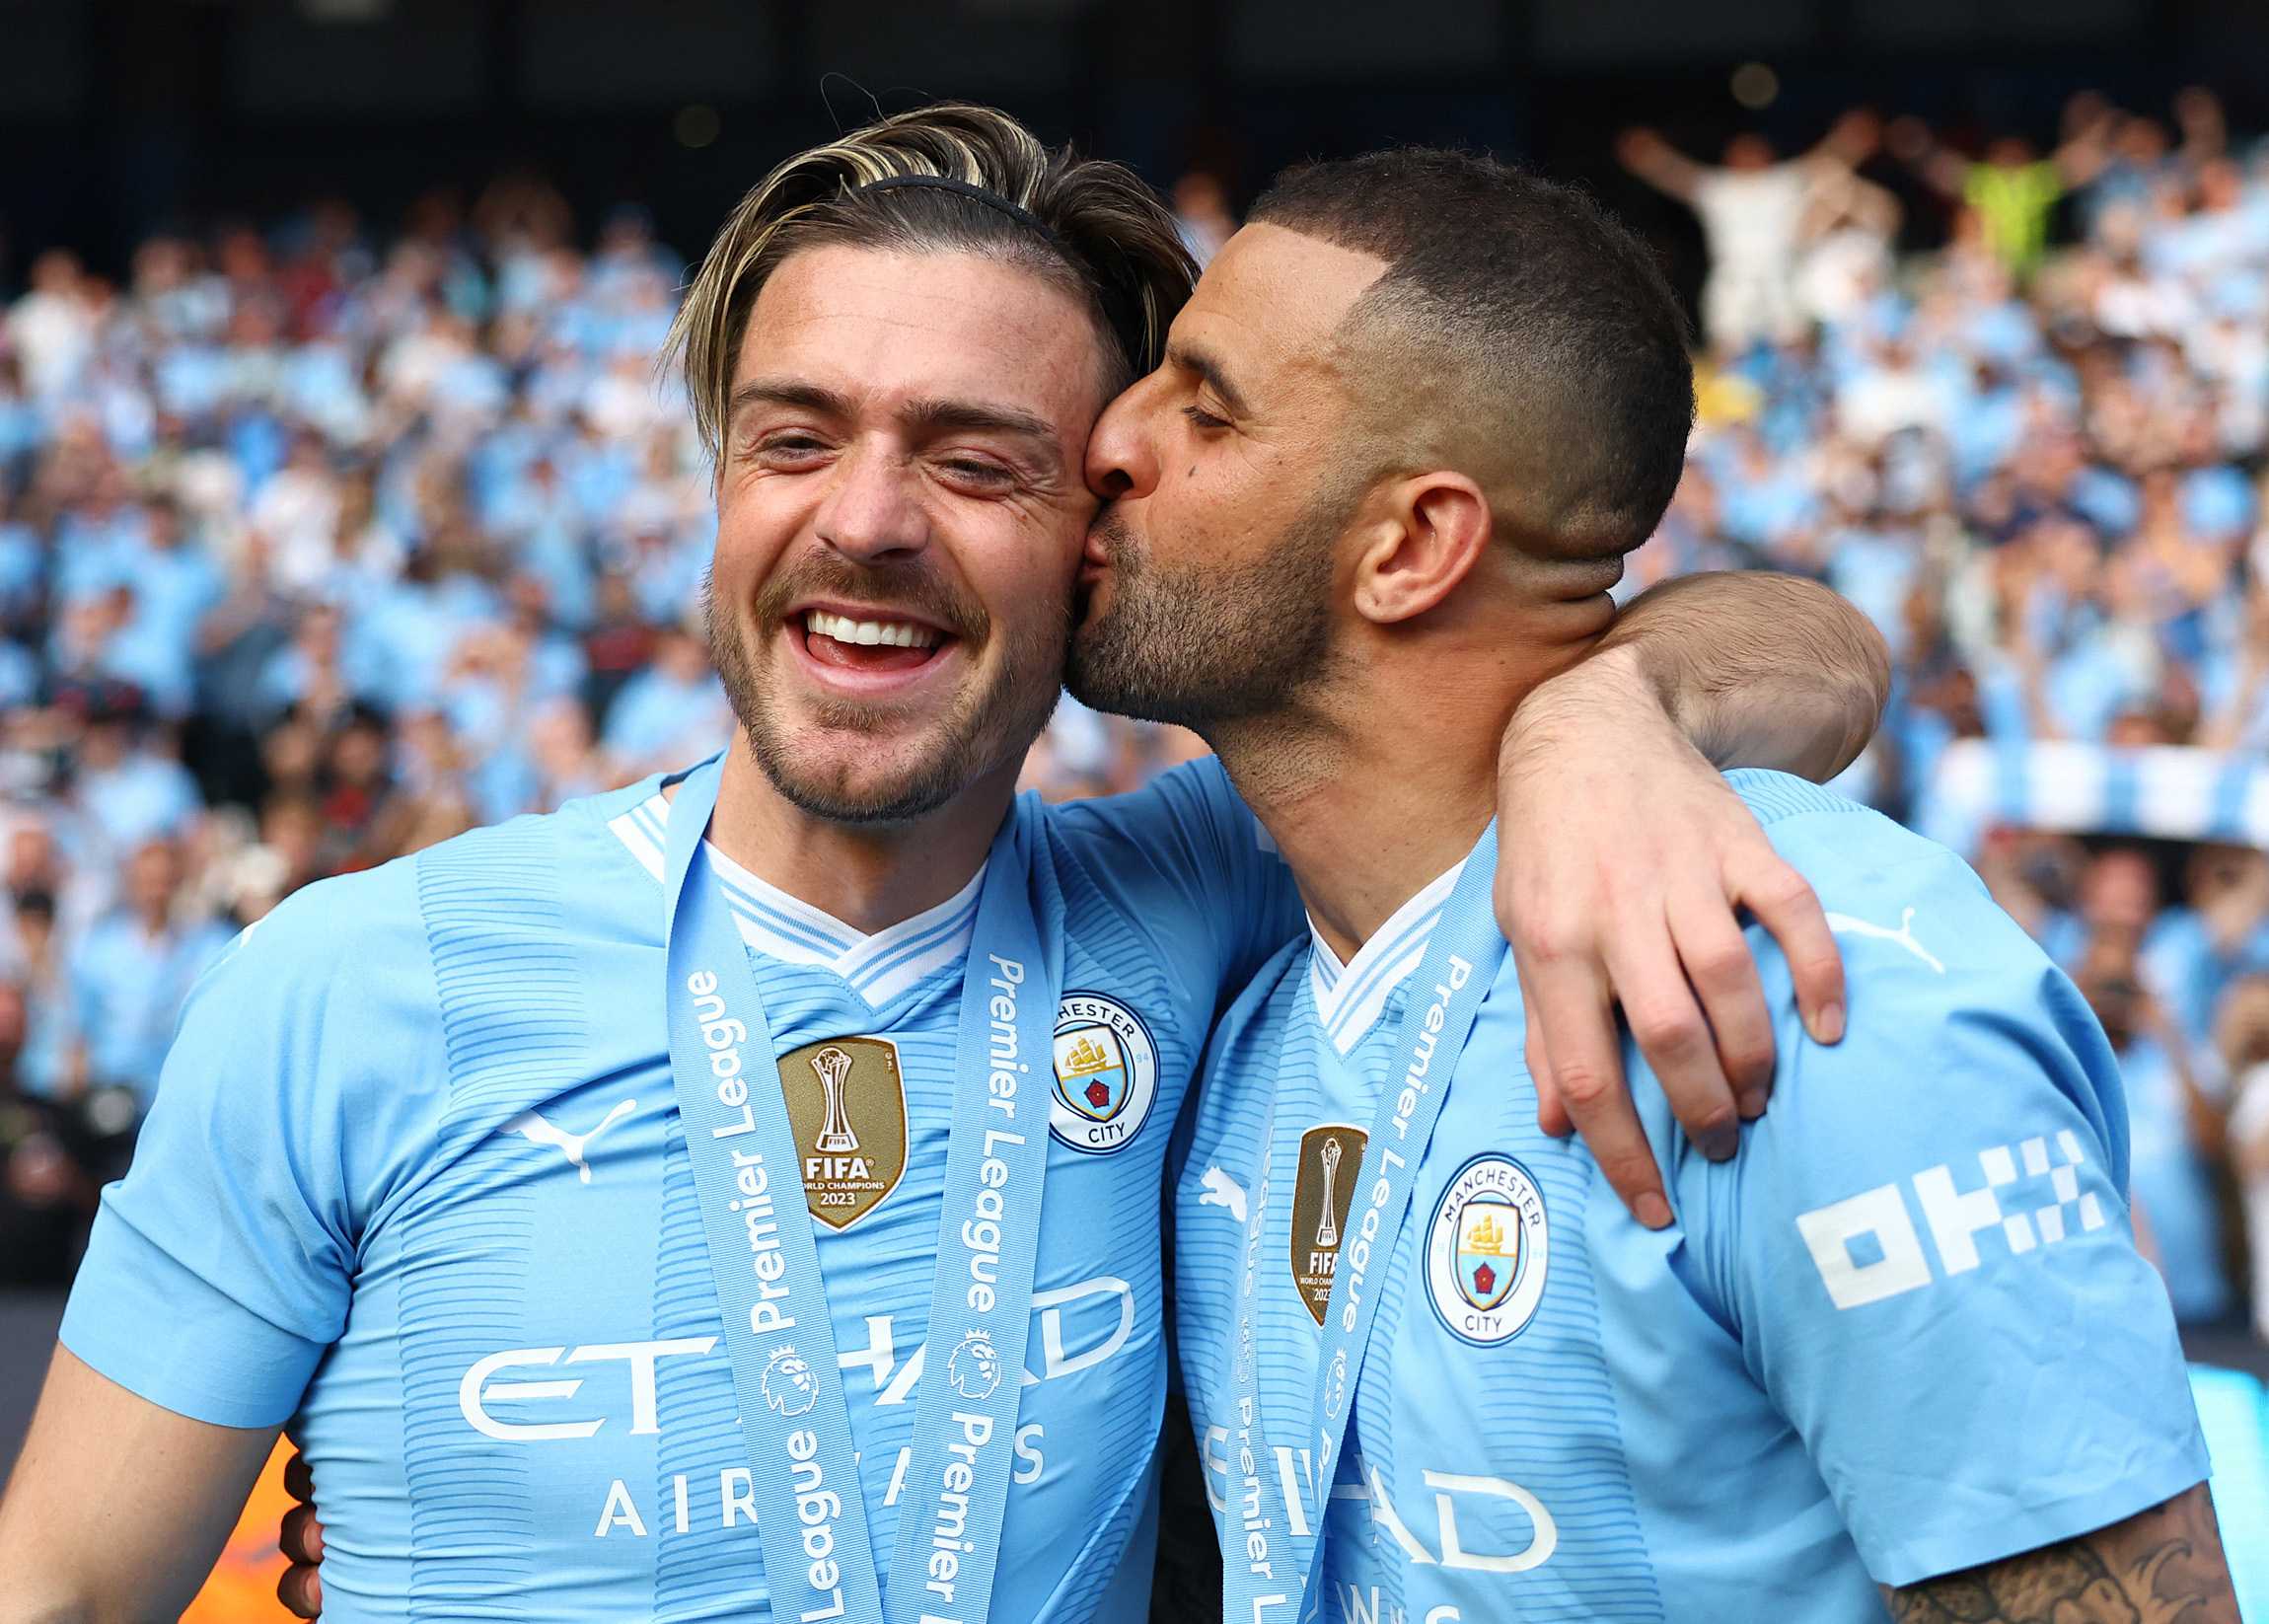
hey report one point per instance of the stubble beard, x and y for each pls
(1209, 648)
(989, 724)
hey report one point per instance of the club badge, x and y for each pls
(846, 1102)
(1487, 1251)
(1106, 1073)
(1329, 1158)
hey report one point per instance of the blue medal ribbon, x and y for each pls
(1268, 1556)
(795, 1425)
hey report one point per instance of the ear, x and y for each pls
(1424, 535)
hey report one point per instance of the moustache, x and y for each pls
(892, 586)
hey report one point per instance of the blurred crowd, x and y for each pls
(316, 548)
(2030, 450)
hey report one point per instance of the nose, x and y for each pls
(1121, 455)
(873, 507)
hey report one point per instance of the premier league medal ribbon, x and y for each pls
(811, 1514)
(819, 1555)
(989, 1245)
(1267, 1523)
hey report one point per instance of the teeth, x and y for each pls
(887, 633)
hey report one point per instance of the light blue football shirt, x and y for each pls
(416, 1183)
(1905, 1330)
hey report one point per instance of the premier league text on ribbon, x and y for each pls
(724, 1036)
(818, 1506)
(1405, 1104)
(981, 1234)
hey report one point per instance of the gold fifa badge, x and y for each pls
(1329, 1158)
(846, 1102)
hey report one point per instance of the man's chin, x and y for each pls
(864, 781)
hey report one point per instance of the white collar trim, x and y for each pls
(879, 967)
(1350, 997)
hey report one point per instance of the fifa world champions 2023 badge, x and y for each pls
(1487, 1250)
(847, 1106)
(1323, 1194)
(1106, 1073)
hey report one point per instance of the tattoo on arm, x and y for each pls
(2163, 1566)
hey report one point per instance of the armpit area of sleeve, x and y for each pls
(165, 1333)
(1978, 1533)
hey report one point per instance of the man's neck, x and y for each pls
(1371, 807)
(869, 876)
(1388, 780)
(1374, 833)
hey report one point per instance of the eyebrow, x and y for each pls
(973, 414)
(780, 391)
(1194, 359)
(929, 414)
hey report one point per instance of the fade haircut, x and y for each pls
(1089, 227)
(1518, 336)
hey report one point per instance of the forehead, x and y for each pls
(875, 326)
(1273, 297)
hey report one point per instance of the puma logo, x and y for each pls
(1844, 925)
(572, 1145)
(1221, 1190)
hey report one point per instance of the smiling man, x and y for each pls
(1897, 1357)
(738, 1196)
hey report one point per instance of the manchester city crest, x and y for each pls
(846, 1102)
(973, 1368)
(1487, 1251)
(788, 1384)
(1106, 1073)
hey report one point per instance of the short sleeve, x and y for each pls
(1187, 861)
(1924, 1244)
(296, 1097)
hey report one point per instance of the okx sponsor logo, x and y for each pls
(2025, 1197)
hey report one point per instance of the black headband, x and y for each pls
(1116, 309)
(990, 199)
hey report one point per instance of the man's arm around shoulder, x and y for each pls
(117, 1508)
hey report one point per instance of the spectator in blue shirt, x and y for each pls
(132, 971)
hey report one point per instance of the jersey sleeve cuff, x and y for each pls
(162, 1332)
(2150, 1480)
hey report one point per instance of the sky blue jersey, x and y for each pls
(1905, 1330)
(416, 1183)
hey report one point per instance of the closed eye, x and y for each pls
(791, 446)
(1202, 418)
(978, 475)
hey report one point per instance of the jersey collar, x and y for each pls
(879, 967)
(1350, 997)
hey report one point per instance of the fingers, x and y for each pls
(1783, 903)
(1716, 955)
(301, 1536)
(1584, 1073)
(299, 1481)
(1551, 1116)
(1671, 1031)
(301, 1591)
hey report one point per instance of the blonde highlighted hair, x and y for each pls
(1089, 226)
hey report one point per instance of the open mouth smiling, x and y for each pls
(875, 643)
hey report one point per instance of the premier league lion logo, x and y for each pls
(788, 1383)
(973, 1368)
